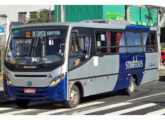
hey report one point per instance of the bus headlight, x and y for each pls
(9, 83)
(56, 80)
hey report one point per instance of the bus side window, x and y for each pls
(134, 42)
(148, 44)
(151, 43)
(109, 42)
(118, 36)
(79, 50)
(101, 43)
(122, 45)
(114, 41)
(73, 51)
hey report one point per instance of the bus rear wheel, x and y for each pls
(22, 103)
(74, 97)
(130, 90)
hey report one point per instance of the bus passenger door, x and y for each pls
(78, 55)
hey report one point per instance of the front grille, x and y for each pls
(30, 75)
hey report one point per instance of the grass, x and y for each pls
(162, 69)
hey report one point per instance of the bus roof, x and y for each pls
(91, 25)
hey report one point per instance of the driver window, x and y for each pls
(79, 49)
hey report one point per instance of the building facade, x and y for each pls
(16, 13)
(139, 15)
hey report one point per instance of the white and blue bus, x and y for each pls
(67, 61)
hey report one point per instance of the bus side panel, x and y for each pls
(151, 67)
(98, 85)
(150, 75)
(59, 92)
(101, 85)
(98, 75)
(130, 64)
(152, 60)
(122, 81)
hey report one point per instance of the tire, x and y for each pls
(22, 103)
(74, 97)
(130, 90)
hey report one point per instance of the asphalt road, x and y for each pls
(147, 99)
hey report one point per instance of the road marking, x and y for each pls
(18, 111)
(63, 110)
(131, 109)
(3, 108)
(157, 112)
(101, 108)
(22, 110)
(146, 97)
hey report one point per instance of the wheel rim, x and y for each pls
(131, 87)
(74, 97)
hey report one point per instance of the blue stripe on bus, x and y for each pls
(129, 63)
(134, 27)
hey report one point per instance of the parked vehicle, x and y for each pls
(163, 57)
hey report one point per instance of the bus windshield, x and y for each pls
(36, 46)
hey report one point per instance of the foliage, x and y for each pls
(42, 16)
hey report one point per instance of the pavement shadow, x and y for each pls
(1, 95)
(162, 79)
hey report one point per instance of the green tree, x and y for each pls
(42, 16)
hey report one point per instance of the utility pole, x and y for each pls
(62, 13)
(49, 14)
(128, 13)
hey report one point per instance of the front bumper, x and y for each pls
(57, 93)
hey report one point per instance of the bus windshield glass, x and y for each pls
(36, 46)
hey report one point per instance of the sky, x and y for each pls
(75, 2)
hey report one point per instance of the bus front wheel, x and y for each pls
(22, 103)
(131, 88)
(74, 97)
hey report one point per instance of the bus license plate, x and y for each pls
(29, 90)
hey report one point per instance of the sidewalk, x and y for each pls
(161, 73)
